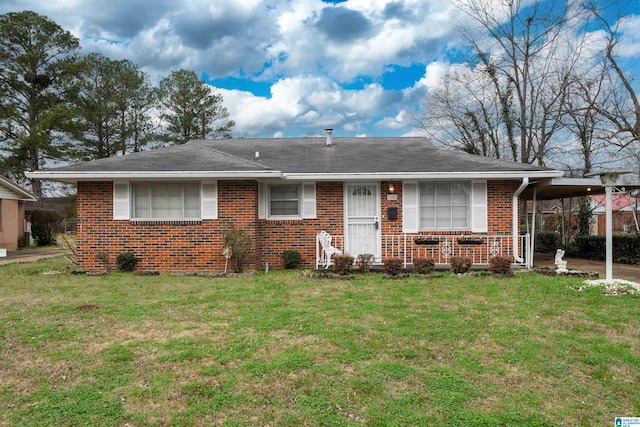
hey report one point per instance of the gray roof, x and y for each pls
(299, 157)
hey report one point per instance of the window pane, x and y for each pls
(443, 217)
(141, 201)
(166, 200)
(284, 200)
(460, 217)
(427, 194)
(427, 218)
(284, 208)
(192, 200)
(444, 205)
(284, 193)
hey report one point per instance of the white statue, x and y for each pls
(561, 265)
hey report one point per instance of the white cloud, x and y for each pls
(325, 62)
(630, 43)
(308, 104)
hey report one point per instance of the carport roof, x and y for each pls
(558, 188)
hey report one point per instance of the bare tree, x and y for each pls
(623, 112)
(467, 113)
(525, 58)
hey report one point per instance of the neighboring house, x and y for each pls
(171, 206)
(624, 212)
(12, 218)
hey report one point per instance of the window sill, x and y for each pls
(142, 221)
(284, 218)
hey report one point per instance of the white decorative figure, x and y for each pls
(561, 265)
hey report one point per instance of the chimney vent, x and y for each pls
(329, 141)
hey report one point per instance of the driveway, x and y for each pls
(620, 271)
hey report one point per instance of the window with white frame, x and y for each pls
(162, 200)
(284, 200)
(444, 205)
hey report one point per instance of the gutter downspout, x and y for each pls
(514, 209)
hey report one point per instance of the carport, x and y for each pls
(559, 189)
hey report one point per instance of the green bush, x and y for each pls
(423, 265)
(393, 266)
(127, 261)
(290, 259)
(500, 265)
(460, 265)
(342, 264)
(44, 226)
(625, 248)
(547, 241)
(239, 244)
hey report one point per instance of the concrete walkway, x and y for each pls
(30, 255)
(620, 271)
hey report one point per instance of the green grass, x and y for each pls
(278, 349)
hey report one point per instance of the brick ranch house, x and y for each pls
(12, 215)
(171, 206)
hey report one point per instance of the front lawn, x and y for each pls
(281, 350)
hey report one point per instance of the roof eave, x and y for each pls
(23, 194)
(74, 177)
(422, 175)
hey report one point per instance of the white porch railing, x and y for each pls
(441, 248)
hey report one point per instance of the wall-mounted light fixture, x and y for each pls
(391, 188)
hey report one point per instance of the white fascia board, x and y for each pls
(72, 177)
(422, 175)
(19, 191)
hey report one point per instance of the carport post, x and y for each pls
(609, 180)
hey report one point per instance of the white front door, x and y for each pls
(362, 217)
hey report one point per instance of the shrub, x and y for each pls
(547, 241)
(290, 258)
(102, 258)
(44, 226)
(239, 243)
(364, 262)
(460, 265)
(342, 264)
(500, 265)
(423, 265)
(393, 266)
(126, 261)
(625, 248)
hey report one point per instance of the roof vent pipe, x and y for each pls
(329, 141)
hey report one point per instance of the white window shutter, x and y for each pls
(309, 200)
(479, 214)
(262, 200)
(410, 211)
(209, 200)
(121, 200)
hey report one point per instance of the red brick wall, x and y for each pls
(276, 236)
(499, 205)
(198, 246)
(161, 246)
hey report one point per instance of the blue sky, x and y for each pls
(288, 67)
